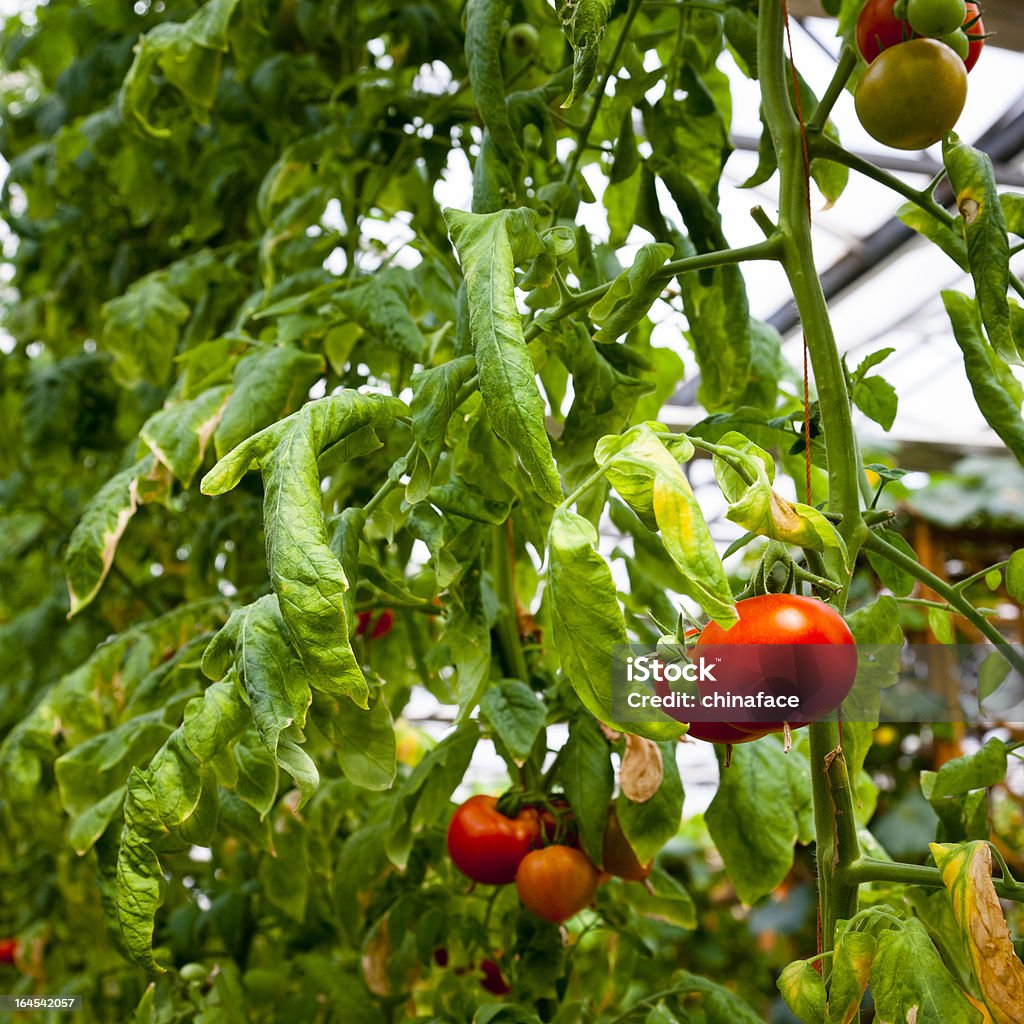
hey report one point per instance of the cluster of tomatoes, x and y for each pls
(784, 644)
(918, 54)
(538, 850)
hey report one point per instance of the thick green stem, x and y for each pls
(507, 626)
(835, 825)
(867, 869)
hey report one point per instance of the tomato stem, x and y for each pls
(845, 68)
(867, 869)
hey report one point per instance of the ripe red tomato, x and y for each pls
(617, 856)
(725, 732)
(799, 646)
(487, 846)
(912, 95)
(381, 627)
(8, 950)
(879, 29)
(556, 883)
(493, 980)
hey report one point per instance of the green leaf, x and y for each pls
(991, 675)
(940, 622)
(588, 780)
(255, 641)
(803, 990)
(423, 798)
(980, 770)
(178, 434)
(586, 619)
(583, 23)
(94, 540)
(267, 383)
(876, 398)
(669, 902)
(1001, 412)
(307, 578)
(485, 32)
(758, 813)
(851, 971)
(187, 55)
(381, 307)
(365, 741)
(489, 247)
(433, 402)
(910, 982)
(141, 330)
(988, 249)
(1015, 575)
(631, 295)
(949, 240)
(648, 826)
(993, 579)
(284, 873)
(648, 477)
(512, 710)
(901, 583)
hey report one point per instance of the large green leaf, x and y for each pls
(587, 621)
(489, 247)
(762, 807)
(307, 578)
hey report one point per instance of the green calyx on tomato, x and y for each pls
(912, 95)
(487, 846)
(556, 883)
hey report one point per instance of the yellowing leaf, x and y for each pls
(967, 872)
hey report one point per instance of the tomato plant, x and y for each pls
(334, 487)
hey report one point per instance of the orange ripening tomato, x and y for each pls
(617, 856)
(556, 883)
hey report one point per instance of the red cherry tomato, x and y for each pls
(487, 846)
(879, 29)
(799, 646)
(493, 980)
(8, 950)
(381, 627)
(618, 857)
(556, 883)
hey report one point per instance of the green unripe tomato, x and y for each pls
(959, 43)
(912, 94)
(194, 972)
(936, 18)
(522, 40)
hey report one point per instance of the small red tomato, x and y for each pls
(381, 627)
(556, 883)
(618, 857)
(493, 980)
(8, 950)
(487, 846)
